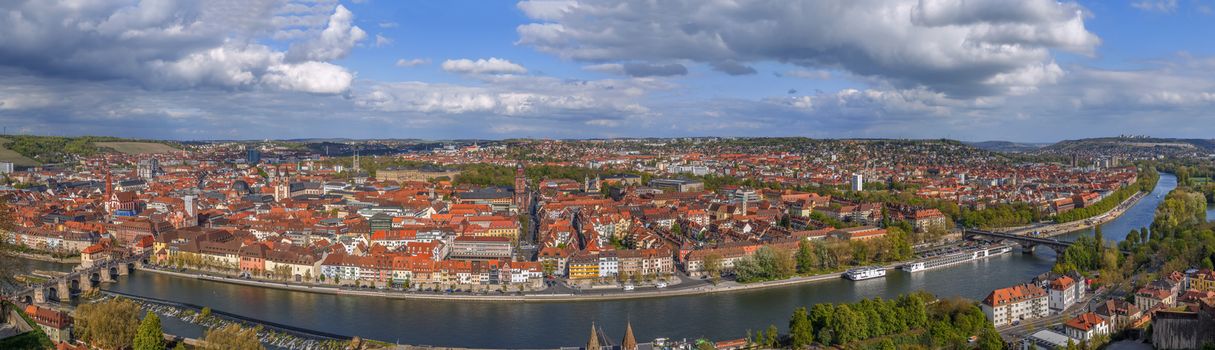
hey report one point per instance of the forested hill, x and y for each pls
(1131, 143)
(1007, 146)
(27, 150)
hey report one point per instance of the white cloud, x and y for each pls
(388, 24)
(382, 41)
(515, 96)
(314, 77)
(411, 62)
(166, 44)
(1166, 6)
(952, 46)
(493, 65)
(335, 42)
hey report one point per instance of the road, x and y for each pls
(1050, 322)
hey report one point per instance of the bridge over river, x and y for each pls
(82, 279)
(1027, 242)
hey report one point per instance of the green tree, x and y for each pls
(149, 336)
(232, 337)
(846, 325)
(773, 336)
(712, 267)
(820, 320)
(108, 325)
(805, 257)
(990, 340)
(801, 332)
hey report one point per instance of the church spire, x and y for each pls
(593, 343)
(629, 342)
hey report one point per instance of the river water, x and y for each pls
(550, 325)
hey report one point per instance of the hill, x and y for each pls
(137, 147)
(8, 155)
(1131, 145)
(55, 149)
(1007, 146)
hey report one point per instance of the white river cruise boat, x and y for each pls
(864, 273)
(957, 257)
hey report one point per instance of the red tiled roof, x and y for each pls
(1013, 294)
(1085, 321)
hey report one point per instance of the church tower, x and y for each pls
(108, 196)
(520, 187)
(282, 189)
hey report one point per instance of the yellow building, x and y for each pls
(584, 267)
(1203, 280)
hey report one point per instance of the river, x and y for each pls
(550, 325)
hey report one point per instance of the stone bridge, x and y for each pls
(1028, 243)
(82, 279)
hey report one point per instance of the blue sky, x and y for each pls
(1034, 70)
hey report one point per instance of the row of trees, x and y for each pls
(1145, 183)
(114, 324)
(1181, 208)
(911, 320)
(1090, 254)
(1180, 235)
(814, 257)
(1000, 215)
(501, 175)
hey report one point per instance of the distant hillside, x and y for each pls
(27, 150)
(1131, 143)
(132, 147)
(1007, 146)
(8, 155)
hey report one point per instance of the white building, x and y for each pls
(1017, 303)
(1086, 326)
(858, 182)
(609, 264)
(1064, 292)
(6, 167)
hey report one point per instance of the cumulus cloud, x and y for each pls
(515, 96)
(411, 62)
(493, 65)
(951, 46)
(166, 44)
(335, 42)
